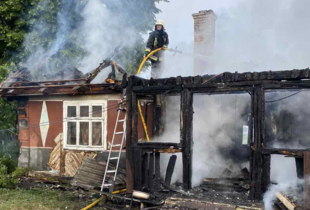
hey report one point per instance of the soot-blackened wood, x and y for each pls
(129, 143)
(135, 117)
(156, 117)
(299, 167)
(138, 169)
(307, 178)
(186, 136)
(138, 151)
(258, 170)
(266, 172)
(151, 172)
(282, 151)
(145, 169)
(170, 169)
(157, 171)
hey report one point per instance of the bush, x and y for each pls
(9, 173)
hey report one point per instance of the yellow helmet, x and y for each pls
(160, 22)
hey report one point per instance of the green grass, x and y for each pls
(41, 199)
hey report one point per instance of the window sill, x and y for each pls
(84, 148)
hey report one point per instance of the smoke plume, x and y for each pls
(86, 33)
(250, 36)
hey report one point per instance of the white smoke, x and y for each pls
(292, 187)
(250, 35)
(258, 35)
(215, 127)
(96, 36)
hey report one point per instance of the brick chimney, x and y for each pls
(204, 23)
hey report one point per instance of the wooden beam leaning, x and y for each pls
(129, 143)
(151, 171)
(170, 169)
(145, 169)
(186, 136)
(138, 172)
(157, 171)
(260, 167)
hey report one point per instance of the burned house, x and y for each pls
(62, 122)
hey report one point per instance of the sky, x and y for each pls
(250, 35)
(177, 15)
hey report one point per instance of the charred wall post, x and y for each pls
(129, 143)
(307, 178)
(157, 171)
(159, 113)
(186, 132)
(157, 116)
(260, 165)
(137, 151)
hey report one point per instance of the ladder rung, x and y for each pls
(113, 158)
(119, 132)
(107, 185)
(111, 171)
(116, 145)
(122, 120)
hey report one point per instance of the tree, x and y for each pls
(141, 16)
(28, 25)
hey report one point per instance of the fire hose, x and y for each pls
(99, 199)
(149, 55)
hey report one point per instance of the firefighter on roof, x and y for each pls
(157, 39)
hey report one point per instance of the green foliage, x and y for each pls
(8, 114)
(140, 15)
(7, 165)
(9, 173)
(38, 19)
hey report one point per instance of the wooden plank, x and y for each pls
(299, 167)
(145, 169)
(282, 151)
(256, 171)
(170, 169)
(186, 126)
(138, 169)
(307, 178)
(129, 143)
(286, 202)
(135, 118)
(157, 171)
(266, 172)
(151, 171)
(156, 117)
(90, 174)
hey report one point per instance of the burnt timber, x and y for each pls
(256, 84)
(142, 157)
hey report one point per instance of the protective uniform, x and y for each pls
(157, 39)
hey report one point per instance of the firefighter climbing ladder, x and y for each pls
(109, 168)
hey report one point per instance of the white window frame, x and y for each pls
(89, 119)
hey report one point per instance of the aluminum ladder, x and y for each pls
(109, 169)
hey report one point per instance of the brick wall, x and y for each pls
(204, 23)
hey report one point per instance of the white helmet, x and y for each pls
(160, 22)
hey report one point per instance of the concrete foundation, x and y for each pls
(34, 158)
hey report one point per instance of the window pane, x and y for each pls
(71, 111)
(97, 111)
(97, 133)
(84, 111)
(71, 133)
(84, 133)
